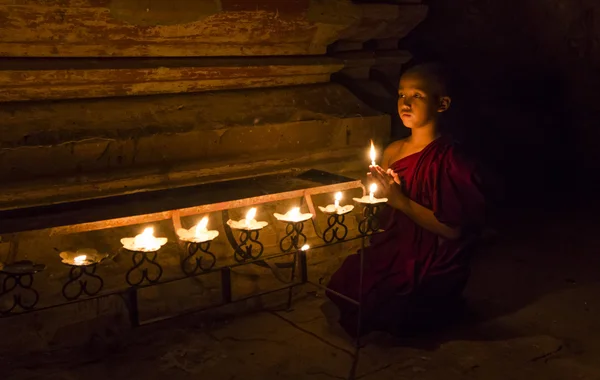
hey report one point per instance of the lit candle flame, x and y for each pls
(338, 198)
(145, 239)
(372, 190)
(305, 247)
(372, 154)
(250, 216)
(201, 226)
(295, 213)
(79, 260)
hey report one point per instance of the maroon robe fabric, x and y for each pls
(406, 265)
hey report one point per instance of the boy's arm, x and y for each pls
(423, 216)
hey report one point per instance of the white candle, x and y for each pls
(372, 190)
(338, 198)
(294, 214)
(201, 227)
(372, 154)
(250, 217)
(146, 239)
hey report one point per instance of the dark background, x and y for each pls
(528, 75)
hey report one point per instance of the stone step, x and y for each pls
(79, 149)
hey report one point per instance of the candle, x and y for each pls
(80, 260)
(305, 247)
(338, 198)
(294, 214)
(372, 190)
(146, 241)
(201, 227)
(372, 154)
(250, 217)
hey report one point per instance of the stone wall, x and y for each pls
(102, 98)
(99, 96)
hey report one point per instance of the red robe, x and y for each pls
(408, 270)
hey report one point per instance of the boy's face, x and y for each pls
(418, 102)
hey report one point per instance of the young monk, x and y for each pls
(415, 271)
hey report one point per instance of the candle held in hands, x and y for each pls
(372, 154)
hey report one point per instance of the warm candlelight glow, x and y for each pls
(80, 260)
(372, 190)
(201, 226)
(294, 213)
(146, 240)
(372, 154)
(305, 247)
(250, 216)
(338, 198)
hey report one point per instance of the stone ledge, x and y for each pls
(47, 79)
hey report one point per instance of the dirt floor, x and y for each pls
(534, 313)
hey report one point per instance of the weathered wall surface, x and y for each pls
(107, 97)
(101, 97)
(528, 71)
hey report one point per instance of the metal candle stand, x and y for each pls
(294, 237)
(18, 281)
(332, 233)
(76, 274)
(139, 258)
(192, 264)
(248, 240)
(369, 223)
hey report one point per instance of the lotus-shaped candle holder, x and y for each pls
(333, 209)
(243, 224)
(370, 200)
(293, 216)
(144, 242)
(82, 257)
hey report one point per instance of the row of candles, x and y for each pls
(147, 242)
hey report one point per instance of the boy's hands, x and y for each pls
(388, 185)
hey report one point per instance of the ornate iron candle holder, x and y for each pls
(197, 239)
(336, 229)
(249, 232)
(145, 250)
(369, 224)
(294, 237)
(83, 265)
(17, 280)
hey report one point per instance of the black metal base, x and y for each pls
(294, 238)
(194, 261)
(369, 224)
(19, 286)
(78, 282)
(336, 229)
(139, 258)
(245, 250)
